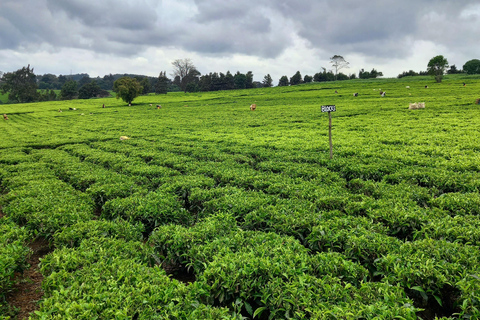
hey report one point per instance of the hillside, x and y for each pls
(212, 211)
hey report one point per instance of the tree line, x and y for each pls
(24, 86)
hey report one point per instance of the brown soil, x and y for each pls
(28, 290)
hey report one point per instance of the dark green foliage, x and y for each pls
(127, 89)
(267, 81)
(437, 66)
(20, 85)
(472, 66)
(89, 90)
(283, 81)
(296, 79)
(161, 86)
(69, 90)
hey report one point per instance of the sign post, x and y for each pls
(329, 109)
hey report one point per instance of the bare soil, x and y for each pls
(28, 290)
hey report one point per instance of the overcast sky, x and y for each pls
(278, 37)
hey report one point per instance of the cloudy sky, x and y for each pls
(278, 37)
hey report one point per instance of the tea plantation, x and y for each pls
(212, 211)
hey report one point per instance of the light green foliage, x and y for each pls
(127, 89)
(250, 204)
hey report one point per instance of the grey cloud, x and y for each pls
(377, 29)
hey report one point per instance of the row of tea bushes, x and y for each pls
(41, 202)
(274, 276)
(13, 258)
(105, 278)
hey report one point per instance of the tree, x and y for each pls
(249, 83)
(338, 62)
(186, 72)
(267, 81)
(20, 85)
(453, 70)
(69, 90)
(240, 80)
(283, 82)
(296, 79)
(127, 89)
(307, 79)
(436, 67)
(323, 76)
(161, 87)
(89, 90)
(472, 66)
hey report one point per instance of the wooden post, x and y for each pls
(330, 133)
(330, 109)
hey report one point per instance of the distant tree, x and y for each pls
(453, 70)
(240, 80)
(374, 74)
(107, 83)
(161, 87)
(410, 73)
(249, 83)
(47, 95)
(69, 90)
(205, 82)
(192, 87)
(20, 85)
(47, 81)
(352, 76)
(307, 79)
(338, 63)
(436, 67)
(267, 81)
(283, 82)
(341, 76)
(257, 84)
(84, 80)
(127, 89)
(145, 83)
(362, 74)
(61, 81)
(184, 72)
(229, 81)
(89, 90)
(324, 76)
(472, 66)
(296, 79)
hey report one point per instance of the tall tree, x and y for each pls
(283, 82)
(89, 90)
(229, 81)
(161, 87)
(436, 67)
(240, 80)
(472, 66)
(69, 90)
(186, 72)
(296, 79)
(127, 89)
(267, 81)
(338, 63)
(307, 78)
(249, 83)
(20, 85)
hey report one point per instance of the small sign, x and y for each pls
(329, 108)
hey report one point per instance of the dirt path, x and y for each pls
(28, 291)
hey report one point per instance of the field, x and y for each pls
(212, 211)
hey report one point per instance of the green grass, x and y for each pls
(251, 204)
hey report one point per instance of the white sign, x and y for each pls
(328, 109)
